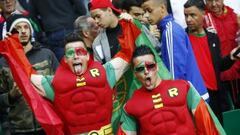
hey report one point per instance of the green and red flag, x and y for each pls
(12, 51)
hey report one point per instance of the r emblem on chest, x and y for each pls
(173, 92)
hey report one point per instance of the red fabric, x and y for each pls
(172, 118)
(21, 69)
(87, 107)
(204, 60)
(127, 40)
(95, 4)
(226, 26)
(206, 126)
(120, 132)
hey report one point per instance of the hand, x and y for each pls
(8, 34)
(15, 91)
(212, 29)
(235, 53)
(155, 31)
(126, 16)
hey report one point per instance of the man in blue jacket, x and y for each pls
(176, 48)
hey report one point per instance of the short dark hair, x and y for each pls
(127, 4)
(198, 3)
(142, 50)
(72, 37)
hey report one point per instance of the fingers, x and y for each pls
(155, 31)
(8, 34)
(126, 16)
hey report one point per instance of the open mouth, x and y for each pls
(77, 68)
(148, 81)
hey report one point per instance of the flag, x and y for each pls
(21, 69)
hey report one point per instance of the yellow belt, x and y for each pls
(105, 130)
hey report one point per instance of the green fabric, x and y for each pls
(124, 90)
(231, 122)
(217, 123)
(129, 123)
(46, 83)
(111, 77)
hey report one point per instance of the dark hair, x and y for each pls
(142, 50)
(127, 4)
(72, 37)
(198, 3)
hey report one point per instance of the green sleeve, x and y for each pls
(111, 77)
(46, 83)
(193, 98)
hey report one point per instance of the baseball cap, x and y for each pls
(95, 4)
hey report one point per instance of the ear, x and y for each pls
(85, 33)
(109, 10)
(88, 56)
(65, 59)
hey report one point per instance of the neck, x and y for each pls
(115, 22)
(27, 47)
(88, 42)
(198, 32)
(159, 80)
(6, 15)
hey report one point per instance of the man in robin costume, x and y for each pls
(81, 88)
(163, 107)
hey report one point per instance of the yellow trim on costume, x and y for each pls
(105, 130)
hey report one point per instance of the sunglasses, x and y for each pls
(71, 52)
(150, 66)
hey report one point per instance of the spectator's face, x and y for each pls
(103, 17)
(194, 18)
(215, 6)
(9, 6)
(94, 30)
(153, 12)
(76, 56)
(145, 69)
(24, 31)
(136, 13)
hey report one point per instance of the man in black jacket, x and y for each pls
(206, 47)
(21, 119)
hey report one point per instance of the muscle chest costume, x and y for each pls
(173, 107)
(163, 107)
(84, 103)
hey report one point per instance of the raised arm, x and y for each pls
(119, 64)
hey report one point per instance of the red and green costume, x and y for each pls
(173, 107)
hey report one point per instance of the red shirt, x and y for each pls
(204, 60)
